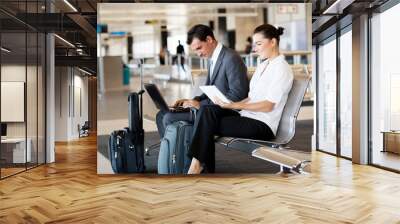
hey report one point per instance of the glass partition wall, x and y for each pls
(327, 95)
(385, 89)
(334, 94)
(22, 77)
(334, 89)
(346, 92)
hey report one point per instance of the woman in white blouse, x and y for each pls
(259, 114)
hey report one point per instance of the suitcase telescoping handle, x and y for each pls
(141, 107)
(136, 107)
(140, 65)
(135, 112)
(140, 93)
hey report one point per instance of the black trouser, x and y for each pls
(213, 120)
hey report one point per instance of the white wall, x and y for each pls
(14, 73)
(68, 83)
(295, 36)
(33, 125)
(61, 103)
(79, 117)
(244, 29)
(112, 73)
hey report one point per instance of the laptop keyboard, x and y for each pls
(179, 109)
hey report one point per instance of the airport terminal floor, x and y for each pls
(70, 191)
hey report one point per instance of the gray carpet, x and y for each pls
(237, 160)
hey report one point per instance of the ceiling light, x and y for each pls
(338, 6)
(5, 49)
(84, 71)
(65, 41)
(70, 5)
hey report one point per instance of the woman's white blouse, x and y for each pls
(271, 81)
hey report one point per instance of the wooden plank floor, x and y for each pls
(10, 171)
(70, 191)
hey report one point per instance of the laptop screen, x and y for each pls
(156, 96)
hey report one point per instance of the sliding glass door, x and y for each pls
(327, 95)
(334, 103)
(385, 89)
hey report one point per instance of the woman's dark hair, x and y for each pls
(200, 32)
(269, 31)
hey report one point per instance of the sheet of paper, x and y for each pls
(213, 92)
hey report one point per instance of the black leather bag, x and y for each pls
(126, 146)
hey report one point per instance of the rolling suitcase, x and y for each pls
(126, 146)
(174, 147)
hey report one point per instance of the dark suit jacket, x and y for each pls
(229, 76)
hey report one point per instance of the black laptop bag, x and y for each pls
(126, 146)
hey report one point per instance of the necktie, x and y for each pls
(211, 68)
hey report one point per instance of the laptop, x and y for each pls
(159, 101)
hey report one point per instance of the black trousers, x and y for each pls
(213, 120)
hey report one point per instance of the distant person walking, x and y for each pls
(180, 51)
(179, 48)
(249, 47)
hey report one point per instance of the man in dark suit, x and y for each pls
(180, 51)
(226, 71)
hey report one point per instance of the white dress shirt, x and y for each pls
(271, 81)
(214, 58)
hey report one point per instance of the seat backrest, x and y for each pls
(86, 125)
(287, 124)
